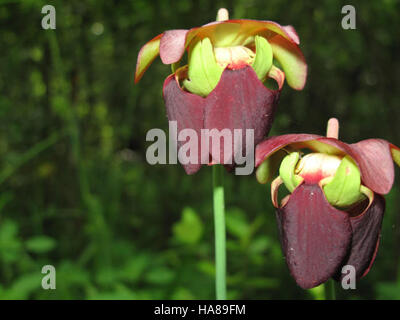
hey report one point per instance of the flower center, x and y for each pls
(235, 57)
(314, 167)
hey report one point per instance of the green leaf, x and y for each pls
(203, 70)
(10, 243)
(189, 229)
(344, 189)
(286, 171)
(40, 244)
(236, 223)
(263, 60)
(160, 276)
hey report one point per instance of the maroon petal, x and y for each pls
(172, 45)
(269, 146)
(366, 232)
(188, 111)
(375, 160)
(241, 101)
(315, 236)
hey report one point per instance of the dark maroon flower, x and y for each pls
(222, 84)
(334, 213)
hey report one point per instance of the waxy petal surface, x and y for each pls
(315, 236)
(240, 101)
(187, 110)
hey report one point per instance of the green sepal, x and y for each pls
(264, 56)
(287, 171)
(344, 188)
(203, 70)
(267, 169)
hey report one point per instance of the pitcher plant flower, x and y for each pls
(224, 83)
(333, 214)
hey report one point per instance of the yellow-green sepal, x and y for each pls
(343, 190)
(287, 171)
(264, 56)
(266, 172)
(203, 70)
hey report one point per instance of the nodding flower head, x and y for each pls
(225, 81)
(333, 213)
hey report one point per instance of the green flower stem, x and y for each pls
(220, 237)
(330, 293)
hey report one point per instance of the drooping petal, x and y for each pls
(291, 31)
(240, 101)
(172, 45)
(241, 29)
(366, 229)
(223, 33)
(374, 158)
(315, 236)
(187, 110)
(146, 56)
(292, 60)
(272, 144)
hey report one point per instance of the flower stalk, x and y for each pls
(220, 236)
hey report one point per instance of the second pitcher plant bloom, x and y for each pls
(333, 214)
(225, 82)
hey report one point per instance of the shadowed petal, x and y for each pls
(315, 236)
(366, 230)
(188, 110)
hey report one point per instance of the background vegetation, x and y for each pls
(76, 191)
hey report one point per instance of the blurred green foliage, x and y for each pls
(76, 191)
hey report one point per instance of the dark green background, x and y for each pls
(76, 191)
